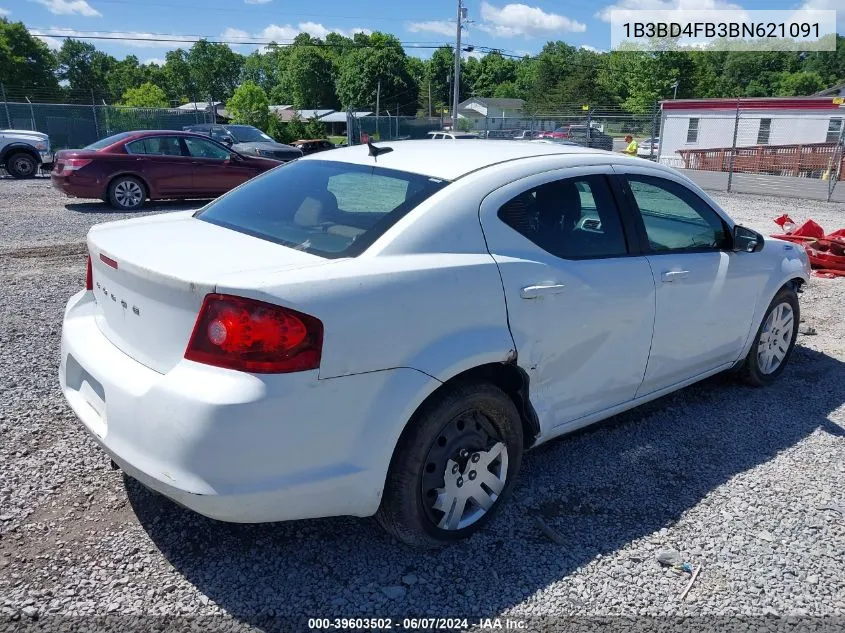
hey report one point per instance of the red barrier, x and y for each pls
(826, 251)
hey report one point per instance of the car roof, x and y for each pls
(310, 140)
(449, 160)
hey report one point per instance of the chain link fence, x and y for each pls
(791, 153)
(74, 126)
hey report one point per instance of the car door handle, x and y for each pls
(543, 290)
(672, 275)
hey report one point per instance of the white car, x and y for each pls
(649, 148)
(386, 330)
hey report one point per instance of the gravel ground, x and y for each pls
(746, 483)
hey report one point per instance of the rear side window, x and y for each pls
(574, 218)
(327, 208)
(156, 146)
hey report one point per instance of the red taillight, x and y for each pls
(254, 336)
(89, 276)
(72, 164)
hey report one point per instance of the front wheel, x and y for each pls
(775, 340)
(453, 467)
(21, 165)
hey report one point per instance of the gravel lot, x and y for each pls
(738, 480)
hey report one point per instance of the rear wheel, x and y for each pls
(21, 165)
(127, 193)
(453, 467)
(775, 340)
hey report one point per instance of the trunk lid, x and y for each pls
(151, 274)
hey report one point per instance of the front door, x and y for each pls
(580, 302)
(214, 171)
(706, 294)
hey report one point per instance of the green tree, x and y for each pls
(249, 105)
(493, 71)
(84, 68)
(799, 84)
(26, 64)
(214, 70)
(146, 95)
(382, 65)
(309, 80)
(315, 129)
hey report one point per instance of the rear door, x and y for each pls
(162, 161)
(214, 171)
(580, 300)
(706, 293)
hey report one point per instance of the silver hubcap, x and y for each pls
(469, 492)
(24, 166)
(128, 193)
(775, 338)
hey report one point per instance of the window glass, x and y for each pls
(156, 146)
(834, 129)
(573, 218)
(109, 140)
(201, 148)
(764, 132)
(692, 131)
(328, 208)
(675, 218)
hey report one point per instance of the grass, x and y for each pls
(337, 140)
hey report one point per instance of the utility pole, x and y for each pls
(378, 105)
(457, 83)
(675, 85)
(429, 98)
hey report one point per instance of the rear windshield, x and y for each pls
(109, 140)
(327, 208)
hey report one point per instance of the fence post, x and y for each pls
(653, 129)
(94, 110)
(834, 177)
(106, 112)
(6, 105)
(660, 133)
(733, 145)
(196, 112)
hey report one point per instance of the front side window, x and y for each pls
(692, 131)
(675, 218)
(575, 218)
(327, 208)
(201, 148)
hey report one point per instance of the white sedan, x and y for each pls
(386, 330)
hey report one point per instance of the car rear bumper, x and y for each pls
(235, 446)
(76, 186)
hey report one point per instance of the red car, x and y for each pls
(128, 168)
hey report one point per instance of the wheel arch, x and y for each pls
(14, 148)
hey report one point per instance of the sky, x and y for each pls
(512, 27)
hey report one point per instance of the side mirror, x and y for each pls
(746, 240)
(228, 140)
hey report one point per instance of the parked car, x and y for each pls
(554, 141)
(246, 139)
(445, 135)
(129, 168)
(526, 134)
(582, 135)
(314, 145)
(23, 152)
(361, 332)
(649, 148)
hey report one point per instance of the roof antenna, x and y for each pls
(375, 151)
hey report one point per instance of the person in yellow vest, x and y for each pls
(632, 147)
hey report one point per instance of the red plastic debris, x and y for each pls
(826, 252)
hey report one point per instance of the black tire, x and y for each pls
(467, 412)
(21, 165)
(752, 371)
(119, 193)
